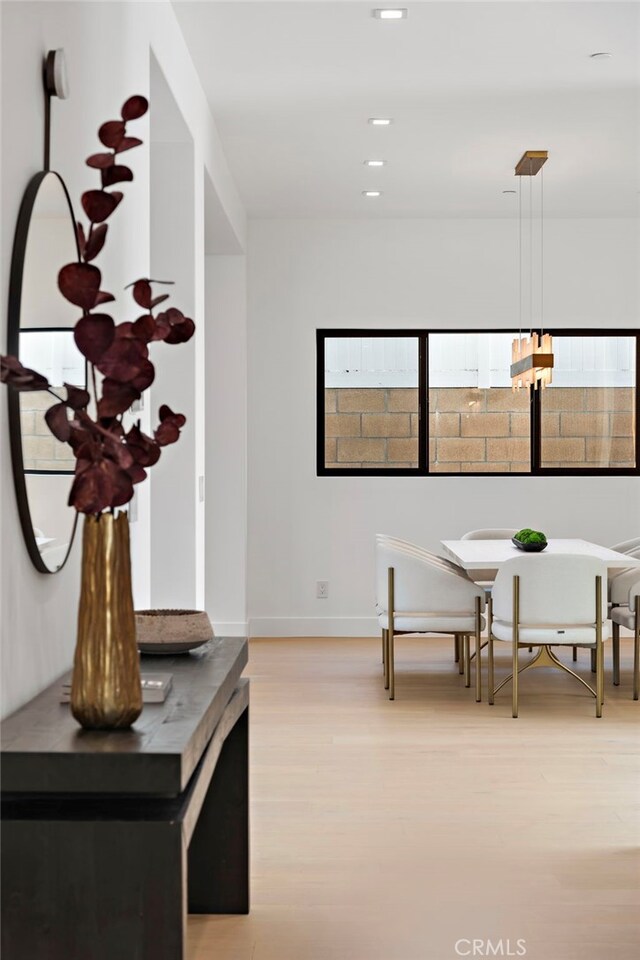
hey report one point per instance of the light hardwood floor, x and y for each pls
(390, 831)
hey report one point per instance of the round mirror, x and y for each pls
(40, 327)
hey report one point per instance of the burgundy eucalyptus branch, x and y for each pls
(109, 460)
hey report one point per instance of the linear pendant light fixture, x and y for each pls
(531, 358)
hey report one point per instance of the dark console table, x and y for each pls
(110, 838)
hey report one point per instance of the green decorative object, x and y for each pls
(531, 541)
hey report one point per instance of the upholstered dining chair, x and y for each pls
(625, 612)
(490, 533)
(617, 596)
(419, 594)
(413, 548)
(632, 549)
(548, 600)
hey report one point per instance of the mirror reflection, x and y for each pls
(45, 343)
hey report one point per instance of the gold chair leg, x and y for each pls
(490, 679)
(384, 651)
(456, 648)
(593, 661)
(478, 652)
(575, 654)
(385, 640)
(599, 650)
(515, 642)
(636, 652)
(467, 661)
(615, 645)
(461, 649)
(390, 636)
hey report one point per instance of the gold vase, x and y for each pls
(105, 691)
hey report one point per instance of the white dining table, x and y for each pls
(491, 554)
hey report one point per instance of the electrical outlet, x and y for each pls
(322, 589)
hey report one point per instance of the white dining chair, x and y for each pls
(544, 601)
(417, 594)
(421, 552)
(626, 614)
(490, 533)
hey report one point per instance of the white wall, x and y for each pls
(308, 274)
(107, 46)
(226, 448)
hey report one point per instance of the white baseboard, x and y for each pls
(236, 628)
(313, 627)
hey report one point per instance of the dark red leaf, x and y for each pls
(127, 143)
(116, 397)
(93, 335)
(79, 283)
(58, 422)
(142, 293)
(162, 328)
(77, 398)
(167, 433)
(170, 424)
(104, 297)
(98, 205)
(116, 174)
(160, 299)
(100, 485)
(81, 238)
(144, 327)
(173, 327)
(181, 332)
(123, 360)
(137, 473)
(166, 413)
(119, 453)
(134, 107)
(145, 451)
(95, 242)
(100, 160)
(145, 377)
(22, 378)
(111, 133)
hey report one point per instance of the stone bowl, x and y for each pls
(172, 631)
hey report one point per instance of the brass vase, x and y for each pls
(105, 691)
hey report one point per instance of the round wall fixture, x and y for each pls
(55, 74)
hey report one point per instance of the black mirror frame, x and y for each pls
(13, 348)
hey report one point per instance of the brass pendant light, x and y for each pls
(532, 357)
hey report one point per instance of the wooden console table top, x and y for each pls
(44, 751)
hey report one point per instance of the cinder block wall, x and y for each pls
(41, 450)
(478, 431)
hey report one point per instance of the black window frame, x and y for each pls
(422, 470)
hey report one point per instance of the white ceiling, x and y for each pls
(470, 86)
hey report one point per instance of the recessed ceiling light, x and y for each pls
(380, 121)
(390, 13)
(601, 55)
(374, 163)
(372, 193)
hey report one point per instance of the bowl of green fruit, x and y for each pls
(531, 541)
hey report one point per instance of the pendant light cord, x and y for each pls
(530, 251)
(541, 252)
(519, 261)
